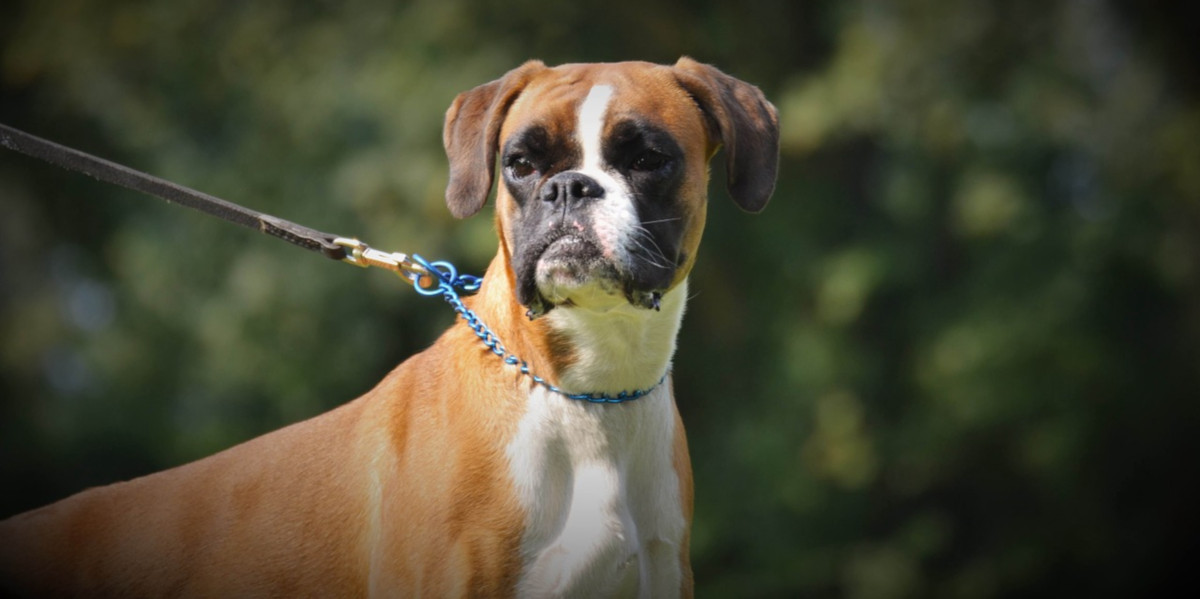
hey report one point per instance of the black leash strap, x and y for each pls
(114, 173)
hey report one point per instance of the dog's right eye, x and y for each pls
(520, 167)
(649, 160)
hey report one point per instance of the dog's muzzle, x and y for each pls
(572, 247)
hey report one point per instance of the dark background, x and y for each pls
(956, 357)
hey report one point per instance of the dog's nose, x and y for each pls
(571, 188)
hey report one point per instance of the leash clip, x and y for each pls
(428, 278)
(365, 256)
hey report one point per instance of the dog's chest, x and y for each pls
(601, 495)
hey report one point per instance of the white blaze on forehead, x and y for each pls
(614, 218)
(591, 124)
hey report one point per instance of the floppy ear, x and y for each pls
(746, 125)
(471, 134)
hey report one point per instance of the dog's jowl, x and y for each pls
(460, 473)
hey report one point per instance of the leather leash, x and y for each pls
(331, 246)
(111, 172)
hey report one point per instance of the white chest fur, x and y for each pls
(601, 496)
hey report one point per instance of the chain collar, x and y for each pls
(448, 284)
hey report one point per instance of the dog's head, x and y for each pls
(604, 172)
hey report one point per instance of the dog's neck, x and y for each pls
(584, 350)
(622, 348)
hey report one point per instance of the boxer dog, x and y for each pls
(460, 474)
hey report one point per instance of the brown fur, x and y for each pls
(403, 488)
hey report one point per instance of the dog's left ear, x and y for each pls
(744, 123)
(471, 134)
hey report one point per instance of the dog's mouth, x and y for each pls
(571, 268)
(566, 253)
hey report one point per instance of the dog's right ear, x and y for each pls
(472, 133)
(744, 122)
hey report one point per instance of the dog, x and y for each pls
(463, 473)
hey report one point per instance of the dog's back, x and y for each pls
(238, 519)
(370, 498)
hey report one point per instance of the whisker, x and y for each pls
(654, 255)
(646, 233)
(662, 220)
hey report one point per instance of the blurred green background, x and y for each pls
(958, 356)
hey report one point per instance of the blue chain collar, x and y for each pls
(448, 284)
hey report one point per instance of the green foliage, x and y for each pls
(956, 357)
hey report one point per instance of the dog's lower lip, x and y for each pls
(570, 246)
(566, 240)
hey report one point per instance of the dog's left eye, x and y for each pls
(649, 160)
(520, 167)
